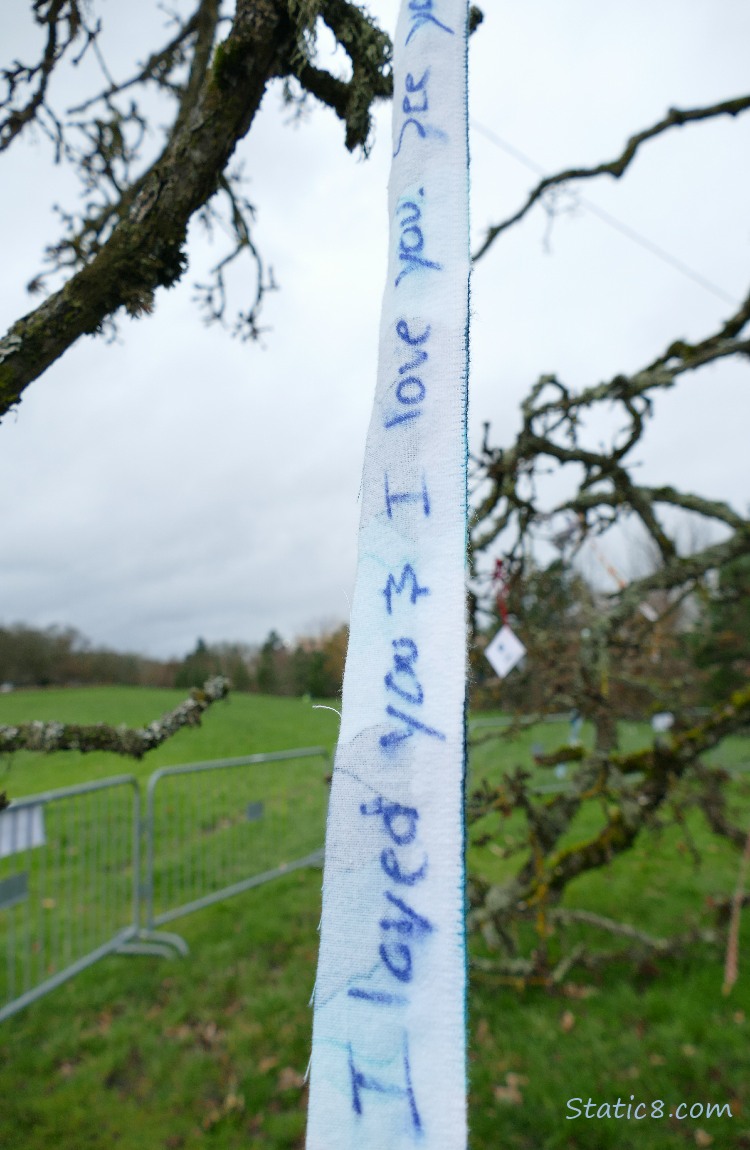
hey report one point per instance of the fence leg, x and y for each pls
(161, 943)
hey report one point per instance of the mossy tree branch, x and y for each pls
(133, 242)
(634, 789)
(132, 742)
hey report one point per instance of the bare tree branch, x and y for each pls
(674, 118)
(64, 21)
(158, 66)
(553, 419)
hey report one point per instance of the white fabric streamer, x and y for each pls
(388, 1068)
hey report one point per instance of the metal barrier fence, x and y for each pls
(215, 829)
(69, 880)
(83, 875)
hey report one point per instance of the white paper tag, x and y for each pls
(505, 650)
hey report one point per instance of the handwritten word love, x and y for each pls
(410, 388)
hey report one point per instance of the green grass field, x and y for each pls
(144, 1053)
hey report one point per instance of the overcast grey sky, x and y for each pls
(180, 483)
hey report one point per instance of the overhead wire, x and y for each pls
(607, 218)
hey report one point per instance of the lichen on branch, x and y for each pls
(49, 737)
(128, 240)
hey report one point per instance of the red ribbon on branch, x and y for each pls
(500, 580)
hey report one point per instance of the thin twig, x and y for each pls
(675, 118)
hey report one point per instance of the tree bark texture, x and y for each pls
(146, 249)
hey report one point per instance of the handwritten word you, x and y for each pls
(411, 241)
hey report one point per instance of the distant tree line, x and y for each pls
(697, 653)
(63, 657)
(311, 666)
